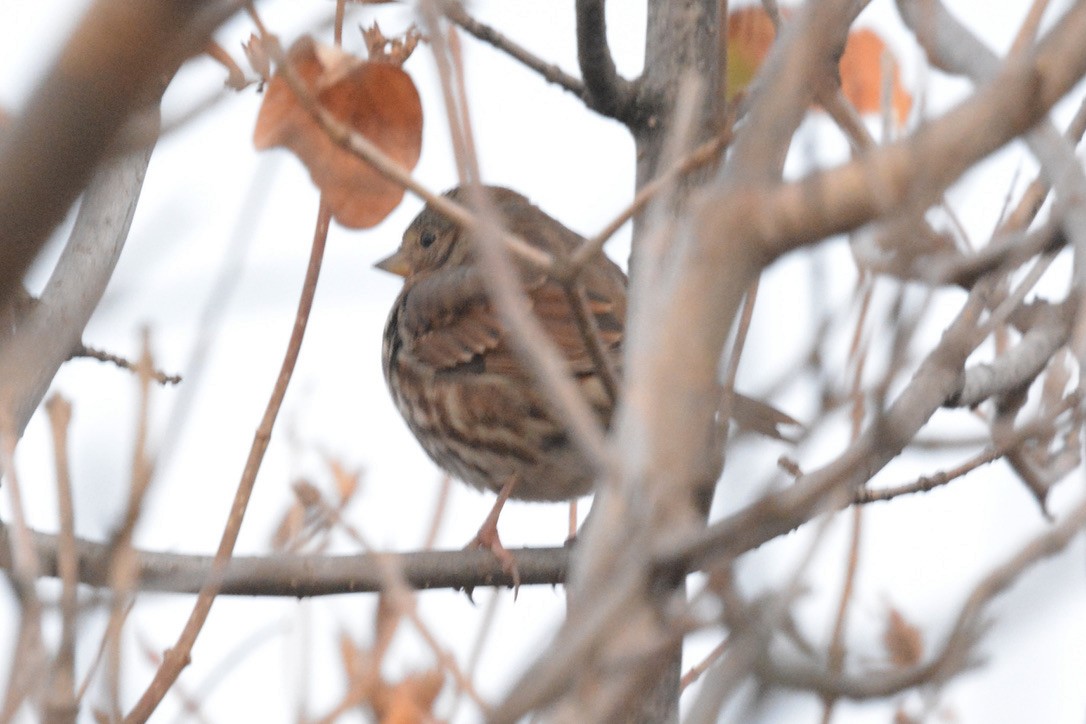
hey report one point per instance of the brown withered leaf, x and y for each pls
(395, 50)
(751, 33)
(290, 527)
(359, 665)
(386, 621)
(377, 100)
(862, 79)
(409, 701)
(346, 479)
(902, 640)
(306, 492)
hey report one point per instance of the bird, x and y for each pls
(457, 380)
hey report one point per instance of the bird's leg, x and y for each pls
(488, 538)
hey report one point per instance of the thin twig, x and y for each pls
(176, 658)
(742, 327)
(102, 356)
(61, 703)
(704, 154)
(937, 377)
(1027, 33)
(858, 352)
(238, 654)
(213, 312)
(189, 704)
(123, 580)
(395, 587)
(440, 509)
(695, 671)
(482, 635)
(103, 643)
(337, 33)
(955, 654)
(529, 340)
(455, 12)
(590, 335)
(29, 648)
(926, 483)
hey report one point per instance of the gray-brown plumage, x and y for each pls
(454, 375)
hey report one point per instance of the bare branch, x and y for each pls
(112, 66)
(101, 355)
(1038, 428)
(52, 328)
(777, 513)
(301, 576)
(1019, 365)
(608, 92)
(61, 703)
(954, 656)
(455, 12)
(175, 659)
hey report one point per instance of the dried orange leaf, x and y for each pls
(903, 641)
(306, 493)
(862, 79)
(411, 700)
(346, 480)
(376, 100)
(386, 621)
(289, 528)
(751, 33)
(351, 657)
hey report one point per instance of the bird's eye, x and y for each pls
(427, 239)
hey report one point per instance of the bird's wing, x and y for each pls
(448, 321)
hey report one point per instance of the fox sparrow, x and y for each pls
(459, 384)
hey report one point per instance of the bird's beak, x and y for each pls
(395, 264)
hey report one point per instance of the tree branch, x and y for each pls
(938, 377)
(455, 12)
(52, 328)
(913, 172)
(176, 658)
(112, 66)
(1019, 365)
(300, 576)
(954, 654)
(607, 92)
